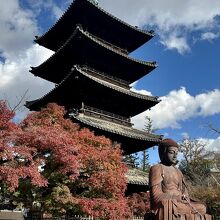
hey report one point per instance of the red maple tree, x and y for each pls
(139, 203)
(47, 160)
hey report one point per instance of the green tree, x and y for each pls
(132, 160)
(148, 127)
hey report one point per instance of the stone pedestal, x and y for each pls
(11, 215)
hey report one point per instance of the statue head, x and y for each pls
(168, 150)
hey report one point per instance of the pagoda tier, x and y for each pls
(137, 181)
(80, 86)
(96, 21)
(131, 140)
(85, 49)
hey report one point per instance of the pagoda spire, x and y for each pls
(96, 2)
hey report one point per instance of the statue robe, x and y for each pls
(167, 187)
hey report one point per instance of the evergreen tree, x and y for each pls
(131, 160)
(148, 127)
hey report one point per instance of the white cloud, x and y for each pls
(16, 79)
(142, 91)
(17, 28)
(208, 103)
(185, 135)
(209, 36)
(178, 43)
(168, 17)
(178, 106)
(211, 144)
(51, 6)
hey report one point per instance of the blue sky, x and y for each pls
(186, 48)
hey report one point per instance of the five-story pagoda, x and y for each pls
(92, 70)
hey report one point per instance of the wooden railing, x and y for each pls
(107, 77)
(107, 115)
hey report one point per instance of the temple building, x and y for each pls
(92, 72)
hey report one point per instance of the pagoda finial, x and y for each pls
(96, 2)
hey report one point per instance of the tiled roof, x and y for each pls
(59, 64)
(117, 88)
(76, 13)
(83, 87)
(116, 128)
(100, 42)
(138, 177)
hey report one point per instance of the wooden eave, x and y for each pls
(79, 86)
(98, 22)
(85, 49)
(131, 140)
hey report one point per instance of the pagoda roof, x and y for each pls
(97, 21)
(79, 86)
(85, 49)
(138, 177)
(131, 139)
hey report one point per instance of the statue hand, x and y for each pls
(184, 199)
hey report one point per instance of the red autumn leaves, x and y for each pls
(68, 169)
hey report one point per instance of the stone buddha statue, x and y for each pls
(169, 196)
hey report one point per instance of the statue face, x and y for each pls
(171, 155)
